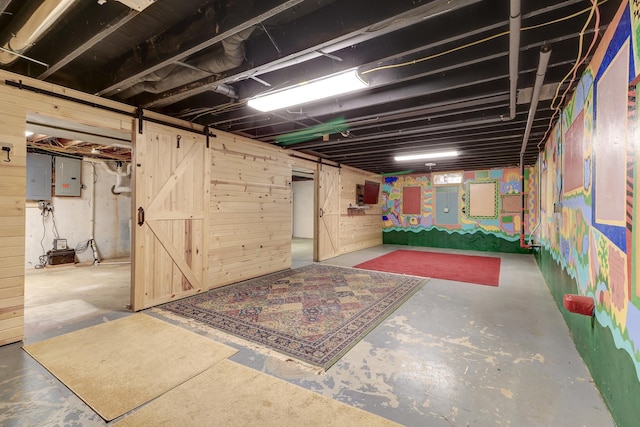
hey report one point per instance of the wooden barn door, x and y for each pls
(328, 220)
(171, 205)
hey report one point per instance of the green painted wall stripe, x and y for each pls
(445, 239)
(611, 368)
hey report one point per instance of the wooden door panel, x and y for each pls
(169, 252)
(327, 240)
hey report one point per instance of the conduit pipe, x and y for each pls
(533, 232)
(32, 28)
(92, 200)
(545, 53)
(92, 219)
(515, 24)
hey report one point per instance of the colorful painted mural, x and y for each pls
(583, 210)
(450, 207)
(589, 168)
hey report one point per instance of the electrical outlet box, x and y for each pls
(67, 181)
(446, 210)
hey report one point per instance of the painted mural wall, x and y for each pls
(589, 168)
(486, 203)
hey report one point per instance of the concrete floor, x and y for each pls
(455, 354)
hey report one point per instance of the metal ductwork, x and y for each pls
(231, 56)
(32, 26)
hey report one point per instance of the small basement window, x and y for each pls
(447, 178)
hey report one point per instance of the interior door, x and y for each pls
(327, 241)
(447, 211)
(171, 205)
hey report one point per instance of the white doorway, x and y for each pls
(303, 216)
(77, 245)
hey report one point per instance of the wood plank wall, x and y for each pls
(12, 212)
(250, 211)
(358, 229)
(250, 204)
(14, 106)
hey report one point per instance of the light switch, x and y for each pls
(446, 210)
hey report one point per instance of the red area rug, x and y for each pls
(480, 270)
(314, 313)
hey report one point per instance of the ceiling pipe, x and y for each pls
(395, 23)
(545, 53)
(200, 46)
(181, 73)
(32, 27)
(107, 30)
(515, 23)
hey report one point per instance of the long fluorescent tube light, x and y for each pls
(314, 90)
(424, 156)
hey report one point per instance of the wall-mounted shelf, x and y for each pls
(357, 210)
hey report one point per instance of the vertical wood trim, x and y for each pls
(137, 237)
(13, 182)
(206, 223)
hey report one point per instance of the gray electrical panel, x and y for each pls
(38, 177)
(67, 178)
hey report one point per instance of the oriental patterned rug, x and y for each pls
(315, 313)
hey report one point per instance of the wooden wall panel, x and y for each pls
(360, 229)
(250, 211)
(13, 178)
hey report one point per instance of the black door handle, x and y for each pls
(140, 216)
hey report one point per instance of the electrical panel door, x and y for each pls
(447, 205)
(38, 177)
(68, 176)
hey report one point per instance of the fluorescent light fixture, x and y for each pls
(424, 156)
(28, 133)
(314, 90)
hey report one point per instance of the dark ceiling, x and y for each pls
(438, 71)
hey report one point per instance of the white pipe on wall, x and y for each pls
(92, 200)
(543, 62)
(119, 174)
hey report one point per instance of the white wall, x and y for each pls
(72, 217)
(303, 209)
